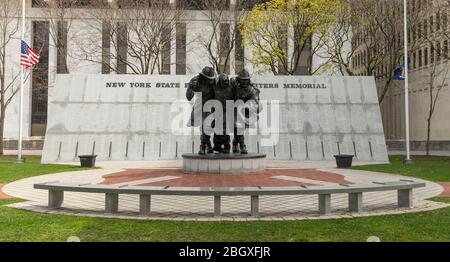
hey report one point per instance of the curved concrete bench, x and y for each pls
(355, 194)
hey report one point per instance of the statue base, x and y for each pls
(224, 163)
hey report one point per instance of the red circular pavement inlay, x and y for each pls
(446, 186)
(3, 195)
(268, 178)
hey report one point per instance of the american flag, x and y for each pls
(29, 56)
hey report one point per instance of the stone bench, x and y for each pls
(354, 191)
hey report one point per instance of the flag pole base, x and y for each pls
(408, 162)
(20, 161)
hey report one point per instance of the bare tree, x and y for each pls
(140, 33)
(438, 73)
(437, 77)
(9, 25)
(220, 41)
(337, 51)
(377, 28)
(60, 16)
(443, 6)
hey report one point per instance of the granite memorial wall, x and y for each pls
(135, 117)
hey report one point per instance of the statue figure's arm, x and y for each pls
(190, 93)
(233, 89)
(257, 99)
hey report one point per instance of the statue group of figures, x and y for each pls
(228, 93)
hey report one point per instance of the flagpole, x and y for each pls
(22, 84)
(407, 137)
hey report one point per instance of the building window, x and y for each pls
(122, 48)
(445, 52)
(420, 58)
(239, 53)
(181, 49)
(283, 32)
(425, 28)
(304, 63)
(73, 4)
(444, 20)
(106, 48)
(419, 31)
(438, 51)
(432, 54)
(425, 52)
(39, 99)
(138, 3)
(224, 48)
(203, 4)
(61, 48)
(431, 24)
(39, 3)
(166, 50)
(409, 35)
(248, 4)
(438, 21)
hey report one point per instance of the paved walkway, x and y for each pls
(234, 208)
(24, 152)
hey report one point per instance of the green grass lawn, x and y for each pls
(19, 225)
(435, 169)
(9, 171)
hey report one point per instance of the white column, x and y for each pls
(407, 138)
(22, 86)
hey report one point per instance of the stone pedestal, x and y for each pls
(224, 163)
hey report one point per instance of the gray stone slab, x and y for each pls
(225, 165)
(325, 204)
(247, 165)
(313, 144)
(298, 147)
(203, 166)
(111, 203)
(355, 202)
(214, 166)
(254, 206)
(405, 198)
(55, 198)
(236, 165)
(144, 205)
(217, 206)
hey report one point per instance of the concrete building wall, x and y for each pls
(434, 16)
(81, 35)
(393, 109)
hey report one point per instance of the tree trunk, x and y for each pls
(428, 136)
(2, 125)
(385, 91)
